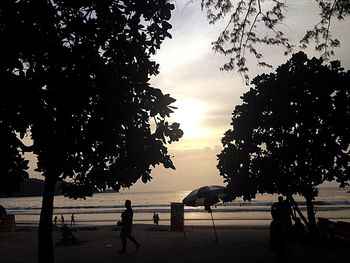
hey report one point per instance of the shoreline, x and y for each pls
(33, 227)
(201, 223)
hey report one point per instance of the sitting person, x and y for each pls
(67, 234)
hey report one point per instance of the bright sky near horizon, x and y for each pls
(206, 96)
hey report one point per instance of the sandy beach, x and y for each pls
(159, 244)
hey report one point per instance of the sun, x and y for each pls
(190, 114)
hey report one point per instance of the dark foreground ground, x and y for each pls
(158, 244)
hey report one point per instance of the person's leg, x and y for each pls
(123, 236)
(130, 237)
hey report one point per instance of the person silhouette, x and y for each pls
(278, 240)
(282, 212)
(67, 234)
(299, 230)
(155, 219)
(55, 220)
(72, 220)
(126, 224)
(62, 220)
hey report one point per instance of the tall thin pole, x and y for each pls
(212, 219)
(295, 205)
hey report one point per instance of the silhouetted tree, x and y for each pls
(241, 34)
(75, 78)
(291, 133)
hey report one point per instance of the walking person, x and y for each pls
(126, 224)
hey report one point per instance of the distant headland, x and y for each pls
(32, 187)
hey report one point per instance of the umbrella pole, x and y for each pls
(212, 219)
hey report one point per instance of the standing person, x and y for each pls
(154, 218)
(126, 224)
(62, 220)
(282, 212)
(157, 219)
(278, 240)
(72, 220)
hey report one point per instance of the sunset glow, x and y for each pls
(190, 115)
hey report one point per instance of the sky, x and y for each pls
(206, 96)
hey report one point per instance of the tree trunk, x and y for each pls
(310, 212)
(311, 216)
(45, 245)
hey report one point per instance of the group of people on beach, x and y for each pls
(125, 224)
(282, 229)
(72, 220)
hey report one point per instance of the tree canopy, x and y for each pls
(292, 131)
(75, 78)
(242, 35)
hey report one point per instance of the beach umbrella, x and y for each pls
(206, 196)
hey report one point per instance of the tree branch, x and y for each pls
(244, 24)
(328, 26)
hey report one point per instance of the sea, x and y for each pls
(105, 208)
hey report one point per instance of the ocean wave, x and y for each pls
(258, 206)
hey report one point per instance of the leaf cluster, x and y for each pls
(321, 34)
(292, 132)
